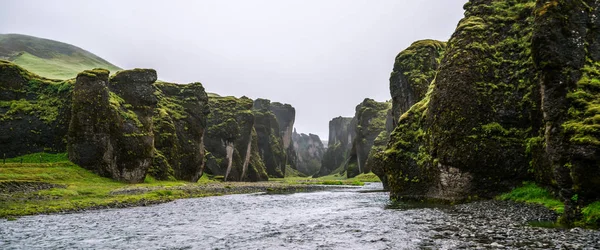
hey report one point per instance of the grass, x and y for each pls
(334, 179)
(531, 193)
(76, 188)
(39, 158)
(82, 188)
(49, 58)
(591, 215)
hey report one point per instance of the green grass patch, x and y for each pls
(82, 188)
(591, 215)
(61, 66)
(531, 193)
(334, 179)
(40, 157)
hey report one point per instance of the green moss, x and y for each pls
(583, 125)
(81, 188)
(591, 215)
(531, 193)
(118, 104)
(50, 97)
(39, 158)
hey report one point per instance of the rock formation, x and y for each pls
(341, 135)
(179, 125)
(369, 121)
(566, 53)
(515, 98)
(309, 152)
(414, 68)
(34, 112)
(286, 115)
(270, 140)
(110, 132)
(231, 140)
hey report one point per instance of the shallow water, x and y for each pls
(335, 219)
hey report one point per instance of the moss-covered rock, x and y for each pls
(232, 140)
(566, 49)
(341, 136)
(414, 68)
(468, 137)
(110, 131)
(179, 125)
(370, 121)
(34, 112)
(286, 115)
(309, 153)
(270, 140)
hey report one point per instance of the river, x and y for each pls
(351, 218)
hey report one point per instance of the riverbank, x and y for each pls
(58, 187)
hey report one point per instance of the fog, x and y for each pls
(321, 56)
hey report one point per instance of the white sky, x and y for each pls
(321, 56)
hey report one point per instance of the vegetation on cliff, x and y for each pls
(231, 140)
(370, 121)
(513, 99)
(34, 111)
(179, 122)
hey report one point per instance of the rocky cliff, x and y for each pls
(369, 121)
(286, 115)
(110, 132)
(179, 124)
(341, 136)
(309, 152)
(515, 98)
(34, 112)
(231, 140)
(414, 68)
(566, 53)
(270, 140)
(467, 136)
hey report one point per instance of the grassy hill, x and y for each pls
(49, 58)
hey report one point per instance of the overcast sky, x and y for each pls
(321, 56)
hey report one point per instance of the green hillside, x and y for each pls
(49, 58)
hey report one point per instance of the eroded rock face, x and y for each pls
(231, 140)
(179, 125)
(309, 152)
(414, 68)
(270, 139)
(370, 121)
(468, 136)
(566, 51)
(341, 136)
(286, 115)
(34, 112)
(111, 127)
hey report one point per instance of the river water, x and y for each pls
(335, 219)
